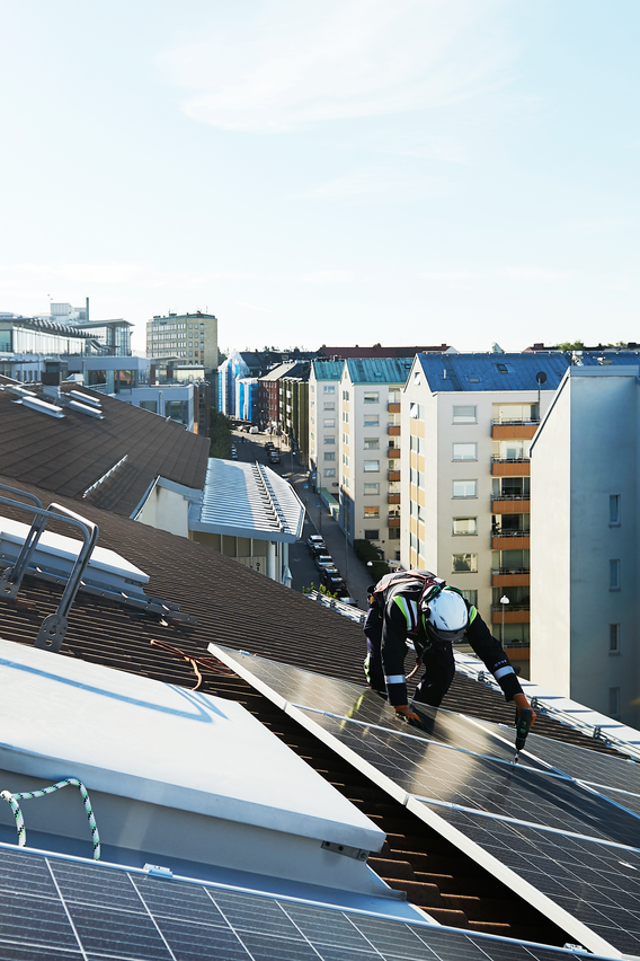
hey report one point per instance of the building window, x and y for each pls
(465, 451)
(345, 395)
(329, 422)
(394, 534)
(329, 472)
(371, 397)
(614, 575)
(330, 406)
(465, 415)
(330, 439)
(614, 510)
(372, 420)
(371, 465)
(372, 535)
(372, 489)
(372, 443)
(614, 702)
(372, 512)
(329, 455)
(329, 389)
(471, 596)
(614, 638)
(465, 488)
(465, 563)
(465, 525)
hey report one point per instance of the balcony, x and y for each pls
(503, 577)
(394, 522)
(393, 475)
(509, 467)
(393, 452)
(504, 540)
(515, 614)
(528, 420)
(516, 431)
(393, 430)
(393, 498)
(511, 504)
(393, 408)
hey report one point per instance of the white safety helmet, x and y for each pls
(446, 616)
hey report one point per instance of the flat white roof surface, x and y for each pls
(247, 500)
(138, 738)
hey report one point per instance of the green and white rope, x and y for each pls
(12, 800)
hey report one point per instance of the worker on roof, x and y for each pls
(419, 608)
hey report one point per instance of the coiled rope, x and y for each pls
(12, 800)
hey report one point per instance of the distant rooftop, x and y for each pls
(247, 500)
(345, 353)
(379, 370)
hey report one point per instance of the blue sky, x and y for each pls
(356, 171)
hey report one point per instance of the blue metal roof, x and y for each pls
(379, 370)
(489, 371)
(328, 369)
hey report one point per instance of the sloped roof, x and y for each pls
(346, 353)
(67, 456)
(515, 371)
(328, 369)
(247, 500)
(495, 372)
(378, 370)
(238, 608)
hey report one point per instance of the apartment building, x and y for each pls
(324, 423)
(193, 338)
(369, 450)
(584, 539)
(467, 423)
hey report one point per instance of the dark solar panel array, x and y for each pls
(60, 909)
(524, 815)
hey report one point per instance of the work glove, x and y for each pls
(408, 715)
(521, 703)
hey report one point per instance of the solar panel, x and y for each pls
(458, 774)
(67, 910)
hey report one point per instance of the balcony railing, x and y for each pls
(521, 422)
(523, 533)
(521, 606)
(511, 497)
(510, 460)
(510, 570)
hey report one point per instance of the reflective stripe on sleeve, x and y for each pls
(502, 671)
(395, 679)
(473, 614)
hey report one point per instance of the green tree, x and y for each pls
(220, 435)
(576, 345)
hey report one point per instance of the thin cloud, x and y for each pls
(534, 273)
(454, 275)
(384, 181)
(296, 64)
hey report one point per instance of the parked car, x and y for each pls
(333, 581)
(254, 430)
(274, 457)
(269, 445)
(323, 560)
(314, 541)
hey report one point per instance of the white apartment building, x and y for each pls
(191, 337)
(368, 450)
(467, 423)
(324, 424)
(584, 539)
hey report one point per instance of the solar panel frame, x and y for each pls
(221, 922)
(277, 681)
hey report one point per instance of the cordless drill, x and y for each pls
(523, 726)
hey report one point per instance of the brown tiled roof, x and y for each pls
(347, 353)
(67, 456)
